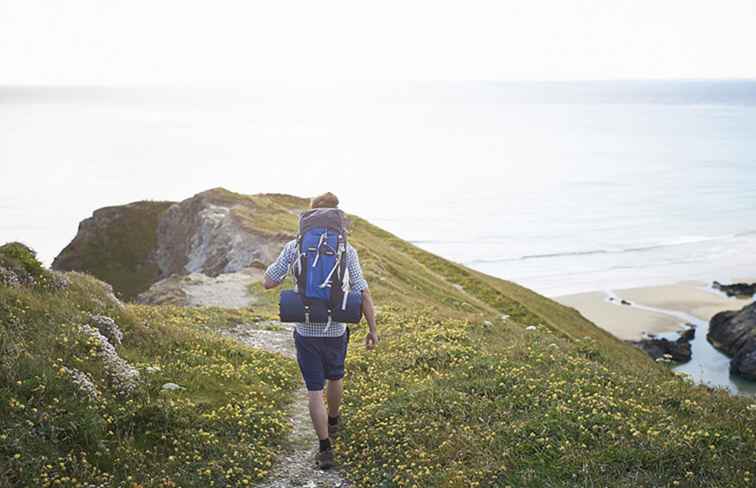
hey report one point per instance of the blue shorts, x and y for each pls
(321, 358)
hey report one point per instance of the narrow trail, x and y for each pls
(295, 466)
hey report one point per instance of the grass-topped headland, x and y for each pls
(116, 246)
(477, 382)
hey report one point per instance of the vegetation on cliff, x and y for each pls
(69, 417)
(481, 382)
(116, 245)
(478, 382)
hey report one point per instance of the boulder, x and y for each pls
(678, 351)
(744, 362)
(731, 330)
(688, 335)
(740, 290)
(734, 333)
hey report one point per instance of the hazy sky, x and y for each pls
(189, 41)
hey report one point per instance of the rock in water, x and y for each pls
(744, 362)
(734, 333)
(731, 330)
(740, 290)
(688, 335)
(679, 350)
(658, 348)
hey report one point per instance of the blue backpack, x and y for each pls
(322, 293)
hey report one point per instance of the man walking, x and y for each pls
(321, 347)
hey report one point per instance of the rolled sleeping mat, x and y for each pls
(291, 308)
(353, 312)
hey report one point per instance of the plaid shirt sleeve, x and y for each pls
(278, 270)
(357, 281)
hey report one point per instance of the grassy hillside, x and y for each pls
(459, 395)
(478, 382)
(71, 416)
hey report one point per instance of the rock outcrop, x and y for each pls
(661, 349)
(207, 234)
(744, 362)
(134, 246)
(734, 333)
(731, 330)
(739, 290)
(116, 245)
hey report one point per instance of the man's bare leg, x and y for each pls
(318, 414)
(335, 392)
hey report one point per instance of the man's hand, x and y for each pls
(371, 340)
(268, 283)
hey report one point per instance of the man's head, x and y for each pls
(326, 200)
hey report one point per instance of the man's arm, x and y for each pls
(369, 310)
(359, 284)
(278, 270)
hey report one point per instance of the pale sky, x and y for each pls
(189, 41)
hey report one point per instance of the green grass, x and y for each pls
(454, 396)
(222, 429)
(457, 396)
(448, 402)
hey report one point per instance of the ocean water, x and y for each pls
(561, 187)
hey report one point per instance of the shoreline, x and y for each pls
(662, 307)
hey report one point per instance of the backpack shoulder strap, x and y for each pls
(298, 267)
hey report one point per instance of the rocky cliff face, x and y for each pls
(205, 234)
(215, 232)
(116, 245)
(735, 334)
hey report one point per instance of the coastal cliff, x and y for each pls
(477, 381)
(117, 245)
(134, 246)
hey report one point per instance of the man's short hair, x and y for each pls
(326, 200)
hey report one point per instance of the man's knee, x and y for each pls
(315, 394)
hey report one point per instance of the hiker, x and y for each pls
(322, 346)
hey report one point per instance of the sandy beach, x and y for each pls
(630, 323)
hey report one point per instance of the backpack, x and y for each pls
(321, 268)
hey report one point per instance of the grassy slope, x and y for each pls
(120, 255)
(457, 396)
(220, 430)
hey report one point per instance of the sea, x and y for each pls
(564, 187)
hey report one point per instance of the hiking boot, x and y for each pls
(325, 459)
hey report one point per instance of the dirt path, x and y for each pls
(295, 466)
